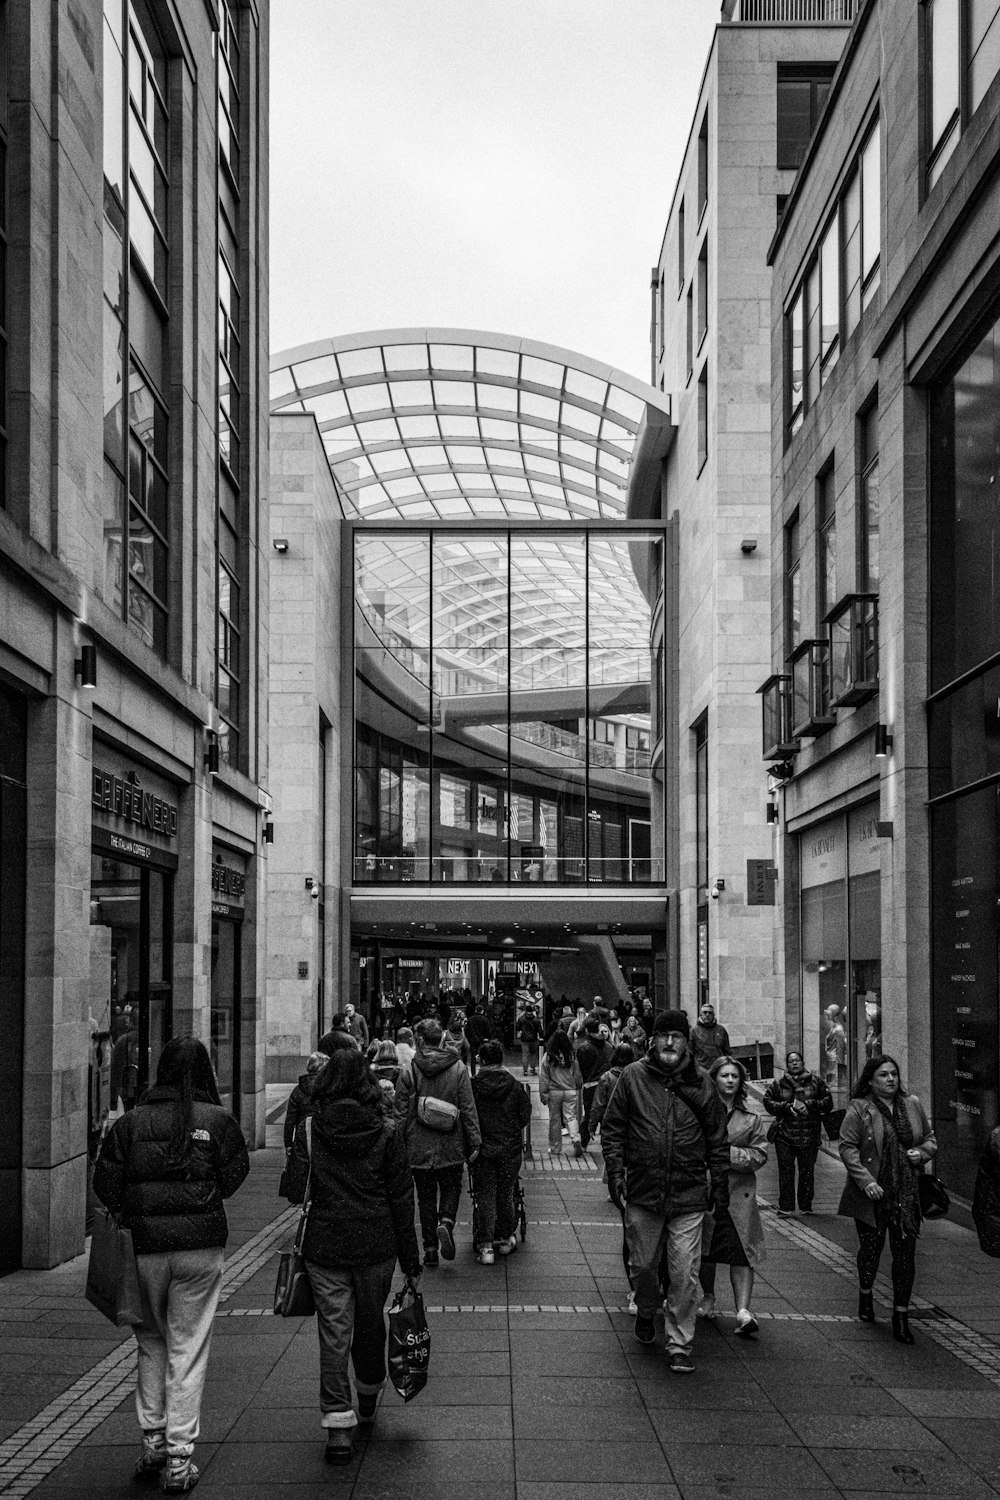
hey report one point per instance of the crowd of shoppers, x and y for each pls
(376, 1129)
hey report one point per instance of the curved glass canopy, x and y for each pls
(444, 423)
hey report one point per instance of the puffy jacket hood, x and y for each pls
(347, 1127)
(434, 1060)
(495, 1083)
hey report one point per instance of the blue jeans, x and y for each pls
(350, 1313)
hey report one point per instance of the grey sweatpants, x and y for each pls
(180, 1292)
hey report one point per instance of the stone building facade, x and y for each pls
(886, 299)
(133, 649)
(711, 352)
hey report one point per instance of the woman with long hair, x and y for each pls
(360, 1223)
(885, 1141)
(737, 1235)
(166, 1167)
(559, 1085)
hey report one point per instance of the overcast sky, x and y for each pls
(495, 164)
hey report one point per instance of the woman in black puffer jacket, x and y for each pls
(360, 1223)
(166, 1167)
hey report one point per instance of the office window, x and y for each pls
(862, 232)
(680, 247)
(944, 95)
(983, 48)
(802, 93)
(826, 544)
(793, 586)
(793, 363)
(4, 95)
(701, 805)
(829, 294)
(136, 326)
(810, 335)
(869, 506)
(663, 323)
(689, 329)
(703, 292)
(702, 418)
(703, 166)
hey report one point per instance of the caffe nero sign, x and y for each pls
(126, 801)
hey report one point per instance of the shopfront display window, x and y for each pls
(226, 1010)
(840, 862)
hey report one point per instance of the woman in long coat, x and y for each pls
(885, 1141)
(737, 1235)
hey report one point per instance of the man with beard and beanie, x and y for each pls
(437, 1114)
(667, 1154)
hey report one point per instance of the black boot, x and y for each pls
(866, 1307)
(901, 1326)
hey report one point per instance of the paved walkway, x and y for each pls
(538, 1389)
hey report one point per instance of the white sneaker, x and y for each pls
(746, 1324)
(631, 1308)
(485, 1256)
(508, 1246)
(706, 1307)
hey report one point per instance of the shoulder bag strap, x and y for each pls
(300, 1232)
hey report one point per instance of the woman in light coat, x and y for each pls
(736, 1234)
(885, 1141)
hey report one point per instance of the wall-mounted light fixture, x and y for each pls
(211, 752)
(267, 833)
(772, 812)
(883, 741)
(748, 545)
(280, 544)
(86, 666)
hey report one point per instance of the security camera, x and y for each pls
(312, 886)
(717, 889)
(314, 893)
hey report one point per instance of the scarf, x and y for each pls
(901, 1203)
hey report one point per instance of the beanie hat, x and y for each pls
(672, 1020)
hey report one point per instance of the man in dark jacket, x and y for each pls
(594, 1055)
(798, 1102)
(709, 1040)
(504, 1108)
(664, 1136)
(477, 1031)
(528, 1034)
(356, 1025)
(437, 1113)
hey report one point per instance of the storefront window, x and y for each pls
(226, 1009)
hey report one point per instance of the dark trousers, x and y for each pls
(350, 1313)
(589, 1090)
(495, 1185)
(902, 1247)
(446, 1182)
(805, 1155)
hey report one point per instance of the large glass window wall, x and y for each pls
(504, 692)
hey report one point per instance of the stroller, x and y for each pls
(520, 1213)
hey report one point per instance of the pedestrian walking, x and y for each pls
(165, 1167)
(360, 1223)
(528, 1034)
(709, 1040)
(504, 1108)
(437, 1114)
(593, 1057)
(300, 1099)
(454, 1037)
(405, 1050)
(559, 1085)
(664, 1136)
(385, 1070)
(885, 1140)
(477, 1030)
(799, 1101)
(620, 1058)
(736, 1236)
(357, 1026)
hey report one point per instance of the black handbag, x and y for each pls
(832, 1123)
(934, 1200)
(409, 1343)
(293, 1294)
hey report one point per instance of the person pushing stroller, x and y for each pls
(504, 1108)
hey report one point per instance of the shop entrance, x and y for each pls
(226, 992)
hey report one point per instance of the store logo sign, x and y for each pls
(124, 799)
(227, 882)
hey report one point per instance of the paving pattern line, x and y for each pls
(39, 1446)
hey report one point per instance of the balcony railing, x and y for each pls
(853, 626)
(812, 713)
(788, 12)
(776, 704)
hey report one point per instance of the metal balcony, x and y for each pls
(853, 627)
(776, 706)
(790, 12)
(812, 712)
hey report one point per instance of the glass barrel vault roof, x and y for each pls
(449, 424)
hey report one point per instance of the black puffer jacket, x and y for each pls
(504, 1108)
(167, 1206)
(666, 1134)
(594, 1056)
(361, 1191)
(794, 1127)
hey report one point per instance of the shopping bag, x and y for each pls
(934, 1200)
(112, 1278)
(293, 1293)
(409, 1343)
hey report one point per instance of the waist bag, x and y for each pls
(436, 1114)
